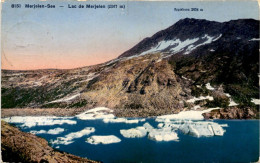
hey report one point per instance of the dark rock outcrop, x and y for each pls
(18, 146)
(232, 113)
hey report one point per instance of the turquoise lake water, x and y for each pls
(240, 143)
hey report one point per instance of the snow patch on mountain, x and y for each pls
(208, 39)
(176, 45)
(72, 97)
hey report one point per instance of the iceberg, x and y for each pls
(103, 139)
(120, 120)
(134, 132)
(199, 129)
(30, 121)
(138, 132)
(163, 134)
(68, 139)
(96, 113)
(55, 131)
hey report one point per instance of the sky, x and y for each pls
(65, 38)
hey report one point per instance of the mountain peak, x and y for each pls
(187, 34)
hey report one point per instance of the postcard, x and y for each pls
(129, 81)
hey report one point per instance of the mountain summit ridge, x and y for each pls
(190, 28)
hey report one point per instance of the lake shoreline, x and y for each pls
(234, 113)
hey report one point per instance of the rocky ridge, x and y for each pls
(18, 146)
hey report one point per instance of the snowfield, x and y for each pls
(65, 99)
(188, 115)
(176, 45)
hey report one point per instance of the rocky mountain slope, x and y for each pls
(18, 146)
(160, 75)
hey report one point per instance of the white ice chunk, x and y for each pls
(96, 113)
(51, 131)
(147, 126)
(103, 139)
(55, 131)
(199, 129)
(120, 120)
(134, 132)
(217, 129)
(38, 132)
(68, 139)
(30, 121)
(160, 125)
(163, 134)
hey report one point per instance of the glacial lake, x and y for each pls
(240, 142)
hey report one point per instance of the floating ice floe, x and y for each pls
(137, 132)
(194, 99)
(188, 115)
(105, 114)
(120, 120)
(199, 129)
(103, 139)
(30, 121)
(163, 134)
(256, 101)
(167, 131)
(209, 87)
(55, 131)
(96, 113)
(68, 139)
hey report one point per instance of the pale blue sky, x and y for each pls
(69, 38)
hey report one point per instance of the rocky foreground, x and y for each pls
(18, 146)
